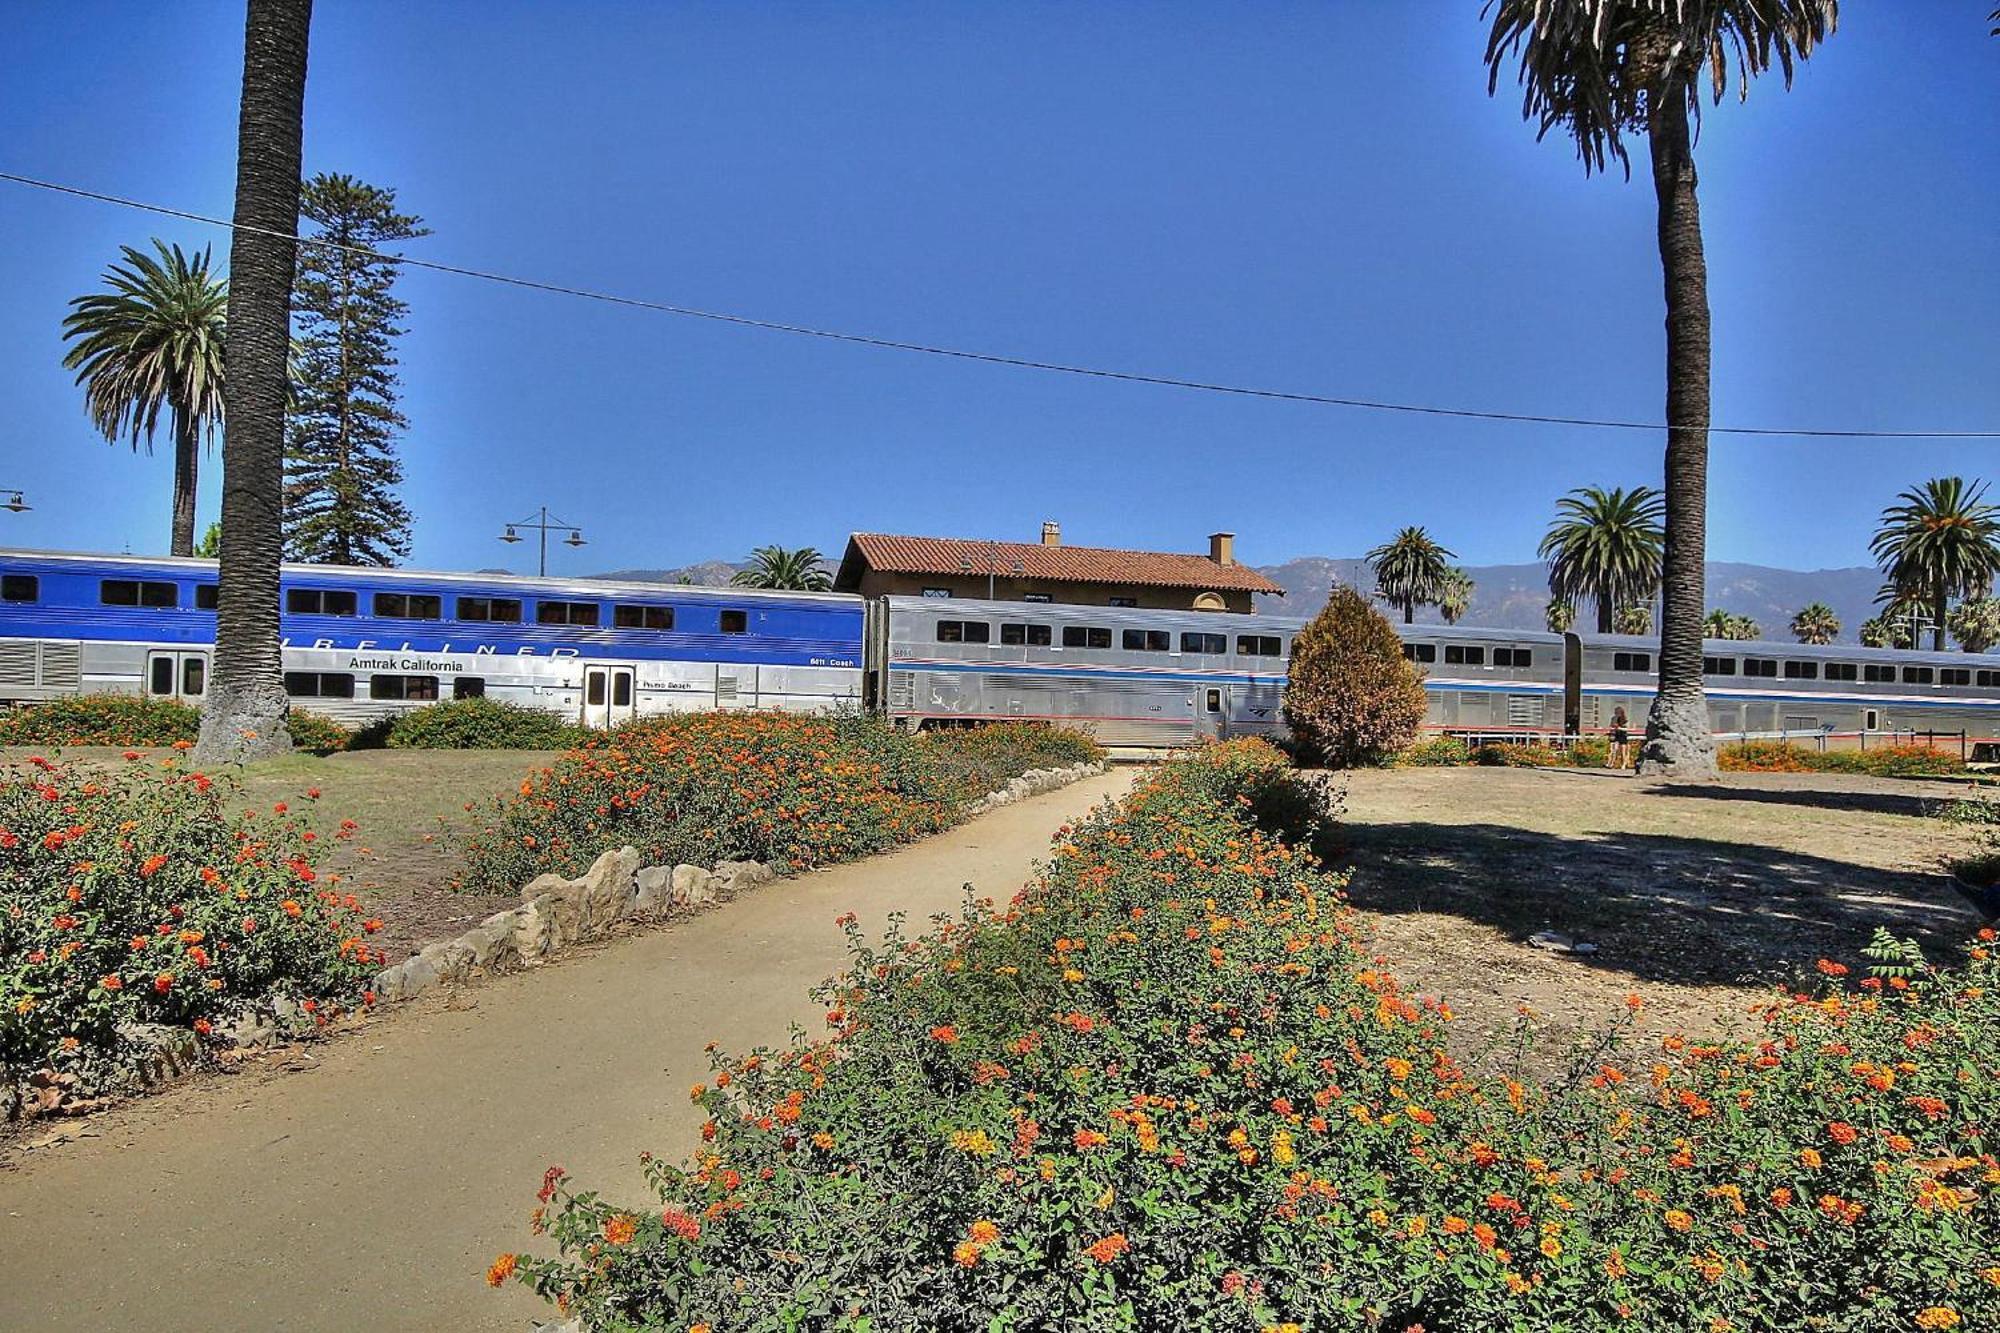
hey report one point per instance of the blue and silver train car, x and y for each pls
(361, 643)
(1138, 680)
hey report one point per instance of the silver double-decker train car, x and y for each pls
(1137, 679)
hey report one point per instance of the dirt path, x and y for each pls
(368, 1182)
(1698, 897)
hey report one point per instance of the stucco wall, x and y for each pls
(1007, 589)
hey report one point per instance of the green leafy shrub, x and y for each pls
(1437, 752)
(983, 758)
(1516, 754)
(480, 724)
(1351, 699)
(1590, 752)
(792, 789)
(132, 895)
(101, 719)
(1166, 1087)
(317, 733)
(137, 720)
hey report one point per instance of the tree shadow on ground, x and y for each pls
(1912, 804)
(1689, 911)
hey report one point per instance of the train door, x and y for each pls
(1211, 712)
(176, 675)
(610, 695)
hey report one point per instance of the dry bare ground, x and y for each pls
(1699, 897)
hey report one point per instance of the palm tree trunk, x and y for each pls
(245, 711)
(1603, 613)
(187, 466)
(1678, 738)
(1409, 610)
(1941, 602)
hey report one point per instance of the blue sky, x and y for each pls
(1305, 196)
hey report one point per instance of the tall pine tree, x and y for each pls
(341, 468)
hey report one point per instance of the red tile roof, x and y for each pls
(1067, 564)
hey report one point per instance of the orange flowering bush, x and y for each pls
(133, 895)
(1167, 1087)
(1888, 761)
(792, 789)
(982, 758)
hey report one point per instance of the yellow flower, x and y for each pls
(974, 1141)
(1679, 1220)
(984, 1232)
(1551, 1246)
(1938, 1316)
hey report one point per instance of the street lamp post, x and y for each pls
(543, 522)
(14, 503)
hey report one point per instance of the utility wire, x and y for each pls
(993, 358)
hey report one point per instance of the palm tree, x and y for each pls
(1410, 571)
(1720, 624)
(801, 569)
(1816, 624)
(1883, 632)
(1605, 545)
(1938, 541)
(1975, 623)
(1636, 619)
(243, 715)
(1559, 615)
(1602, 69)
(1456, 599)
(154, 340)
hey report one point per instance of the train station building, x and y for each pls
(879, 564)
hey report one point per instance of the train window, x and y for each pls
(160, 678)
(1513, 657)
(1259, 645)
(1795, 670)
(468, 687)
(1760, 666)
(734, 622)
(1878, 673)
(206, 596)
(423, 689)
(506, 610)
(593, 688)
(1420, 652)
(1871, 720)
(1631, 661)
(1718, 666)
(964, 631)
(1987, 679)
(1463, 654)
(319, 601)
(1840, 671)
(1018, 634)
(1086, 636)
(138, 592)
(409, 605)
(1215, 645)
(194, 674)
(1122, 601)
(566, 613)
(1212, 701)
(642, 617)
(1147, 641)
(1954, 676)
(20, 588)
(621, 689)
(1917, 675)
(319, 685)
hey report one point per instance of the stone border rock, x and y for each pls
(556, 913)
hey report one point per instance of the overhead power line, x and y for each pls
(995, 358)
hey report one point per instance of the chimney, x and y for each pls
(1051, 533)
(1222, 547)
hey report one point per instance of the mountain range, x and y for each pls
(1505, 596)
